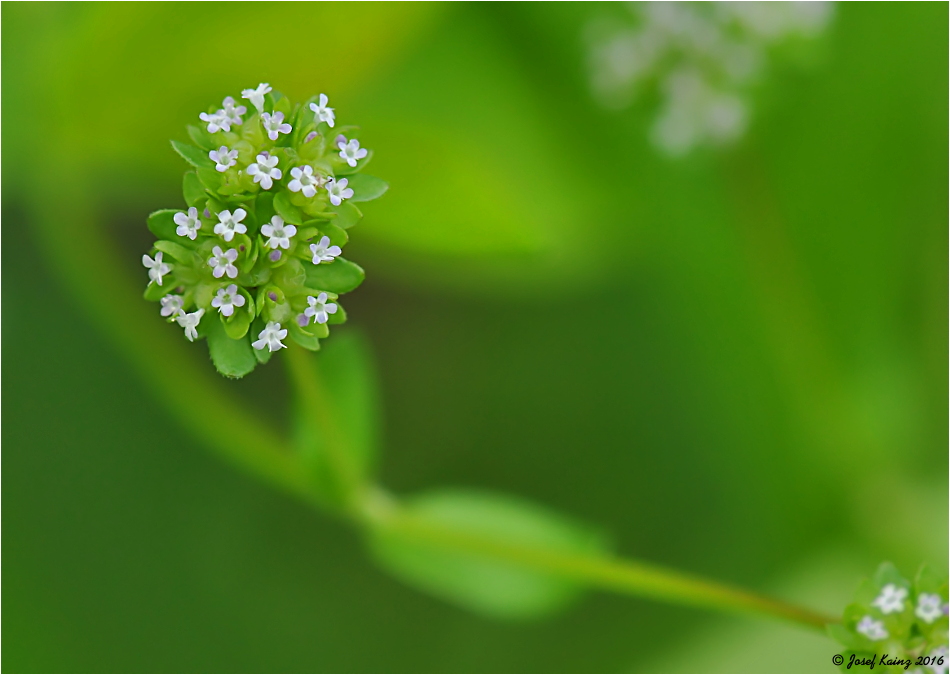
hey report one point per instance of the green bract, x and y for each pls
(893, 621)
(270, 198)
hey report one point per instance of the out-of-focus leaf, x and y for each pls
(479, 581)
(339, 276)
(232, 358)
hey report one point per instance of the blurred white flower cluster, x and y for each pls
(702, 57)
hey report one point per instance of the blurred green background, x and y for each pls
(735, 363)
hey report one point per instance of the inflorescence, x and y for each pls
(906, 622)
(256, 257)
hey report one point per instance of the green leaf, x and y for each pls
(162, 223)
(338, 235)
(347, 373)
(209, 178)
(194, 156)
(338, 317)
(302, 338)
(201, 138)
(237, 325)
(232, 358)
(154, 292)
(193, 190)
(347, 215)
(286, 210)
(264, 208)
(339, 276)
(427, 553)
(366, 188)
(176, 251)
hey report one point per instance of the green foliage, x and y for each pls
(366, 188)
(339, 276)
(232, 358)
(468, 573)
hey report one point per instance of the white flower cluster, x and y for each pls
(233, 252)
(705, 57)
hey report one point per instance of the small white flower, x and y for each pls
(271, 337)
(935, 656)
(233, 112)
(278, 232)
(216, 121)
(229, 224)
(227, 299)
(188, 223)
(156, 268)
(256, 96)
(321, 113)
(929, 607)
(319, 308)
(223, 263)
(323, 252)
(351, 151)
(891, 599)
(172, 304)
(190, 323)
(871, 629)
(223, 158)
(265, 170)
(338, 190)
(304, 181)
(274, 125)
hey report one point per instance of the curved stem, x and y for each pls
(630, 577)
(87, 265)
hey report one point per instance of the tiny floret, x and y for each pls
(271, 337)
(279, 233)
(265, 170)
(304, 181)
(929, 607)
(871, 629)
(156, 268)
(891, 599)
(216, 121)
(190, 323)
(227, 299)
(321, 113)
(223, 263)
(256, 96)
(351, 151)
(230, 224)
(338, 191)
(319, 309)
(188, 224)
(233, 112)
(172, 305)
(323, 252)
(223, 158)
(274, 125)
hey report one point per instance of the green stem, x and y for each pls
(307, 380)
(88, 266)
(619, 575)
